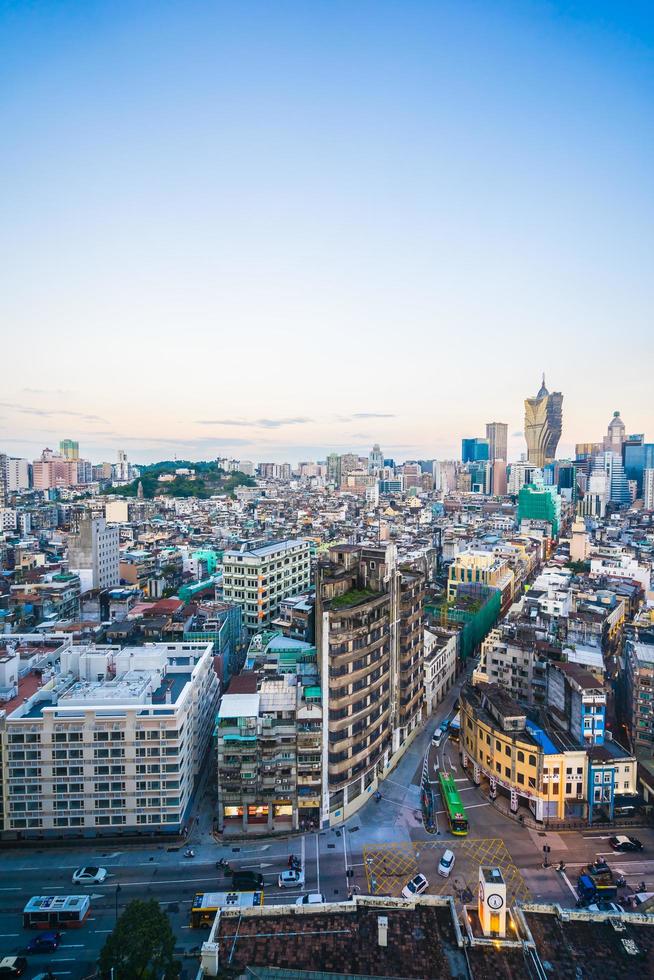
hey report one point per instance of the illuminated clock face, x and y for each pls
(495, 901)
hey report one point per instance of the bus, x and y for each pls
(56, 911)
(454, 730)
(454, 808)
(206, 904)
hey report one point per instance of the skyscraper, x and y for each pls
(543, 424)
(496, 433)
(474, 450)
(69, 449)
(610, 463)
(615, 434)
(375, 459)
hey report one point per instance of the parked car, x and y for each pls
(446, 863)
(246, 880)
(606, 907)
(12, 966)
(624, 843)
(313, 898)
(89, 876)
(416, 886)
(291, 879)
(46, 942)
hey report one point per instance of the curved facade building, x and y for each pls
(543, 425)
(369, 641)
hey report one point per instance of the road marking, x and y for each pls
(8, 935)
(318, 861)
(72, 946)
(569, 884)
(155, 881)
(103, 930)
(10, 889)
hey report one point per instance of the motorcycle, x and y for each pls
(621, 882)
(224, 866)
(189, 853)
(294, 863)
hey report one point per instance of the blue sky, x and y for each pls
(272, 229)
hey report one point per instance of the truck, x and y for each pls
(596, 882)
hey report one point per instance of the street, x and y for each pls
(382, 847)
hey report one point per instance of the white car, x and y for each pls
(89, 876)
(416, 886)
(606, 907)
(291, 879)
(437, 736)
(446, 864)
(313, 898)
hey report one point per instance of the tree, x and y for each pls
(142, 945)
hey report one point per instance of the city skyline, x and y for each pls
(146, 451)
(203, 256)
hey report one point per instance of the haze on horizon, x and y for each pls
(273, 230)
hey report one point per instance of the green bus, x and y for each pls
(456, 813)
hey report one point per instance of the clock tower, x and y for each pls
(492, 902)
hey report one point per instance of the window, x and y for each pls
(521, 779)
(521, 756)
(532, 760)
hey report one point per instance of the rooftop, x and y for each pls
(342, 939)
(239, 706)
(265, 550)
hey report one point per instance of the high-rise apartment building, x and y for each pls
(52, 470)
(108, 740)
(69, 449)
(334, 469)
(496, 433)
(369, 638)
(348, 463)
(94, 553)
(543, 425)
(15, 472)
(258, 578)
(4, 490)
(640, 691)
(648, 489)
(269, 740)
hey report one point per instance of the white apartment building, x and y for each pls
(439, 665)
(257, 579)
(17, 474)
(648, 489)
(620, 564)
(109, 740)
(8, 520)
(94, 554)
